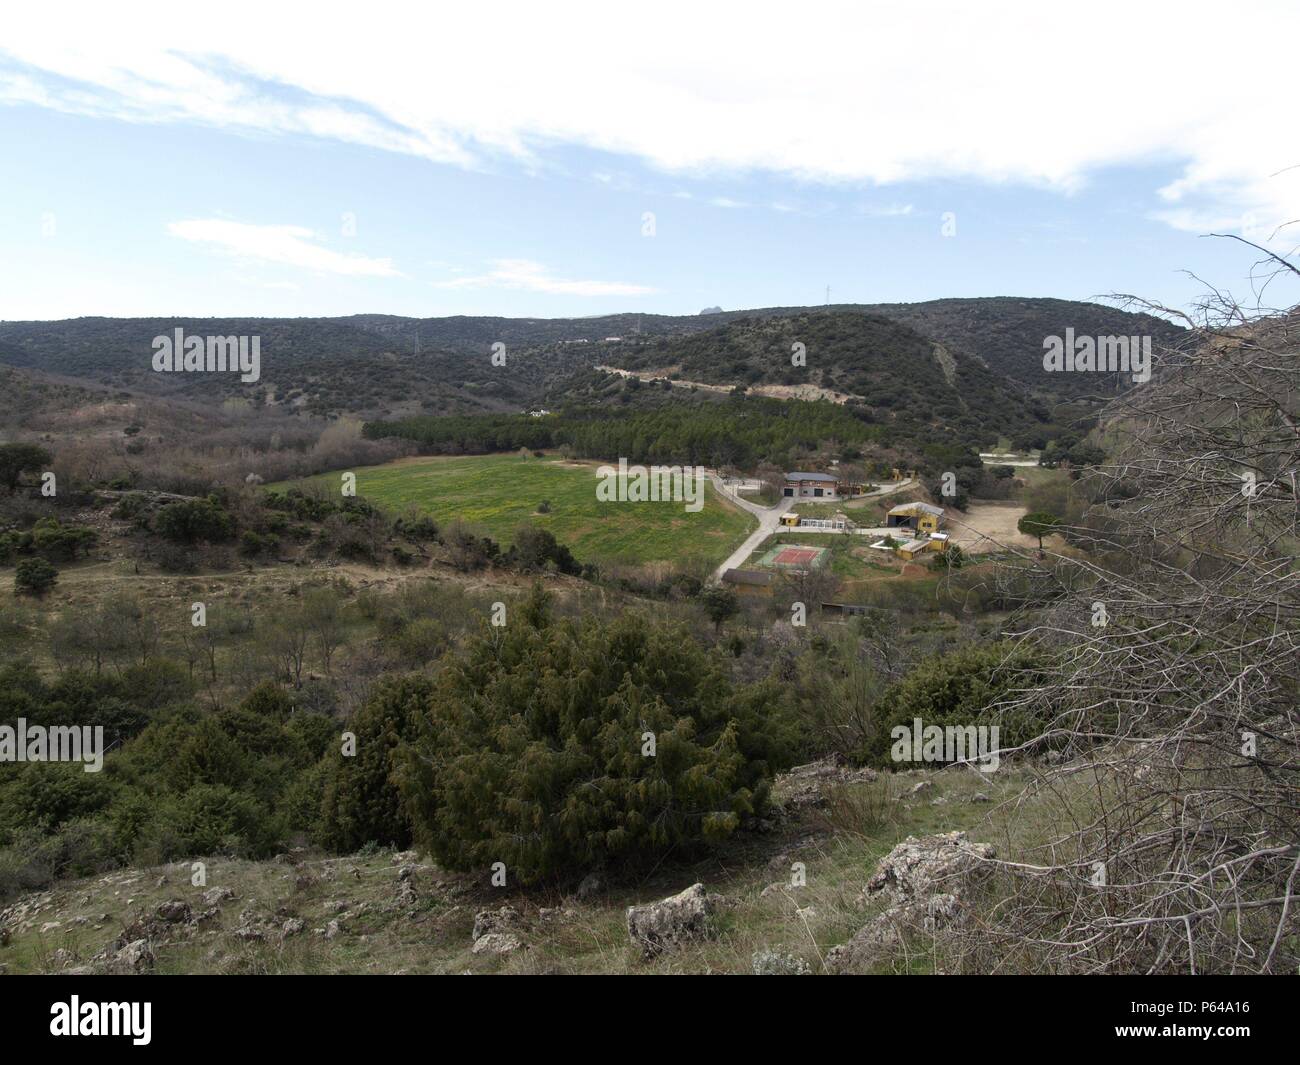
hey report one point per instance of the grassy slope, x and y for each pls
(840, 846)
(502, 492)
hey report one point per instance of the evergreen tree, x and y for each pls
(361, 803)
(560, 748)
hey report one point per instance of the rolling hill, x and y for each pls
(885, 371)
(1007, 333)
(391, 366)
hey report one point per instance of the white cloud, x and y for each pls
(528, 276)
(846, 92)
(890, 210)
(1264, 209)
(286, 245)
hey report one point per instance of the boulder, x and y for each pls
(771, 963)
(927, 883)
(124, 959)
(919, 868)
(489, 922)
(806, 786)
(137, 956)
(217, 895)
(174, 911)
(671, 922)
(496, 943)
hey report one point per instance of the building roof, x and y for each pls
(799, 475)
(914, 545)
(909, 508)
(747, 576)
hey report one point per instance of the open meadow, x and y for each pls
(498, 493)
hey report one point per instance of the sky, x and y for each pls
(569, 159)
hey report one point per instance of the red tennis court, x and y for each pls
(797, 556)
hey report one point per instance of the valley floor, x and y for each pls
(498, 493)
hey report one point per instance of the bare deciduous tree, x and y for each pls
(1175, 644)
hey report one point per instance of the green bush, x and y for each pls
(530, 749)
(34, 576)
(61, 542)
(303, 798)
(158, 682)
(316, 732)
(421, 641)
(194, 521)
(81, 847)
(959, 688)
(269, 700)
(44, 795)
(360, 802)
(252, 544)
(17, 459)
(204, 754)
(209, 819)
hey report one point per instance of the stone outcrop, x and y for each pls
(498, 931)
(496, 943)
(772, 963)
(927, 883)
(805, 786)
(121, 958)
(487, 922)
(217, 895)
(173, 911)
(671, 922)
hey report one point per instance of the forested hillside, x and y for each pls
(384, 365)
(739, 431)
(1007, 332)
(894, 376)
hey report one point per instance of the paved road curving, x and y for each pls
(769, 518)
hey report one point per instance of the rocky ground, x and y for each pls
(849, 864)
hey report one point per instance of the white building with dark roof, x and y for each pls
(803, 485)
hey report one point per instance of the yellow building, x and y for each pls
(919, 517)
(749, 582)
(910, 549)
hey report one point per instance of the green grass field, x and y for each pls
(498, 493)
